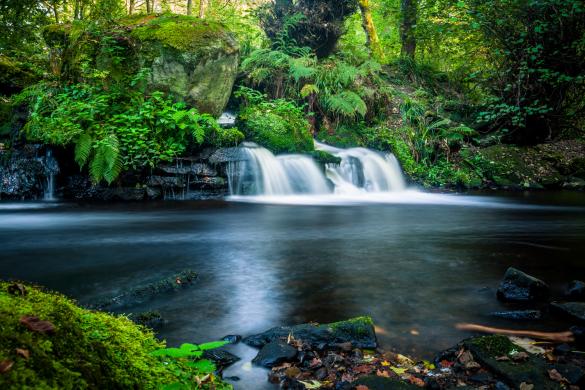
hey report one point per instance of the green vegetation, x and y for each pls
(435, 82)
(50, 343)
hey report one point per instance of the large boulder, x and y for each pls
(275, 353)
(517, 286)
(194, 60)
(357, 331)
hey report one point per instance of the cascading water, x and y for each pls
(361, 171)
(51, 169)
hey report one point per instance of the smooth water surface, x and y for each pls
(416, 267)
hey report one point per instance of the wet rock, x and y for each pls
(147, 291)
(487, 349)
(358, 331)
(576, 290)
(232, 339)
(198, 169)
(163, 181)
(575, 375)
(225, 155)
(373, 382)
(519, 315)
(574, 183)
(574, 310)
(22, 178)
(232, 378)
(221, 357)
(275, 353)
(517, 286)
(150, 319)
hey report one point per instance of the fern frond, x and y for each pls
(83, 149)
(309, 89)
(347, 103)
(300, 68)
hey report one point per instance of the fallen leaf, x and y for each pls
(316, 362)
(446, 363)
(428, 365)
(383, 373)
(362, 387)
(386, 363)
(526, 386)
(414, 332)
(416, 381)
(363, 369)
(502, 358)
(292, 372)
(398, 370)
(556, 376)
(472, 365)
(17, 289)
(404, 360)
(528, 344)
(312, 384)
(25, 353)
(465, 357)
(37, 325)
(519, 356)
(5, 366)
(347, 377)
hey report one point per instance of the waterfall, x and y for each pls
(51, 168)
(361, 171)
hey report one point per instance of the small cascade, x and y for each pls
(361, 171)
(51, 168)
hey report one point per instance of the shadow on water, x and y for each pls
(414, 266)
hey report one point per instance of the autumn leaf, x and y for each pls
(446, 363)
(312, 384)
(363, 369)
(526, 386)
(37, 325)
(386, 363)
(362, 387)
(428, 365)
(556, 376)
(25, 353)
(5, 366)
(383, 373)
(398, 370)
(416, 381)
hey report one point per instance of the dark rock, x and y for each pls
(519, 315)
(482, 378)
(501, 386)
(358, 331)
(232, 339)
(574, 310)
(146, 292)
(150, 319)
(163, 181)
(232, 378)
(579, 335)
(576, 290)
(562, 349)
(533, 370)
(221, 357)
(275, 353)
(225, 155)
(575, 375)
(192, 168)
(516, 286)
(373, 382)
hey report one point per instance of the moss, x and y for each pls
(180, 32)
(360, 326)
(56, 35)
(323, 157)
(14, 76)
(495, 346)
(87, 350)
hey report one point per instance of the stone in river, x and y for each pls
(517, 286)
(275, 353)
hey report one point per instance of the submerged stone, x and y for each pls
(357, 331)
(520, 315)
(275, 353)
(576, 290)
(517, 286)
(373, 382)
(575, 310)
(221, 357)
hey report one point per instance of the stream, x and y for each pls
(417, 263)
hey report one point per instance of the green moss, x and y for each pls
(14, 76)
(181, 32)
(87, 350)
(495, 345)
(360, 326)
(56, 35)
(323, 157)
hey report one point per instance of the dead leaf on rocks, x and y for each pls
(37, 325)
(416, 381)
(5, 366)
(383, 373)
(17, 289)
(316, 362)
(472, 365)
(526, 386)
(292, 372)
(465, 357)
(347, 377)
(363, 369)
(556, 376)
(503, 358)
(362, 387)
(520, 356)
(25, 353)
(528, 344)
(446, 363)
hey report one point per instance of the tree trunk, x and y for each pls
(189, 7)
(201, 9)
(407, 27)
(148, 7)
(131, 5)
(372, 40)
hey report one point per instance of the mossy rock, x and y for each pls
(14, 76)
(194, 60)
(85, 349)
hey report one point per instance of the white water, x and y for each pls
(51, 169)
(362, 172)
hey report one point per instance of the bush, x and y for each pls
(278, 125)
(86, 349)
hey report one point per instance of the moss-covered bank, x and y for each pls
(47, 342)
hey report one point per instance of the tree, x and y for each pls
(409, 10)
(372, 40)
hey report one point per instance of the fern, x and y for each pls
(309, 89)
(347, 103)
(106, 163)
(300, 68)
(83, 149)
